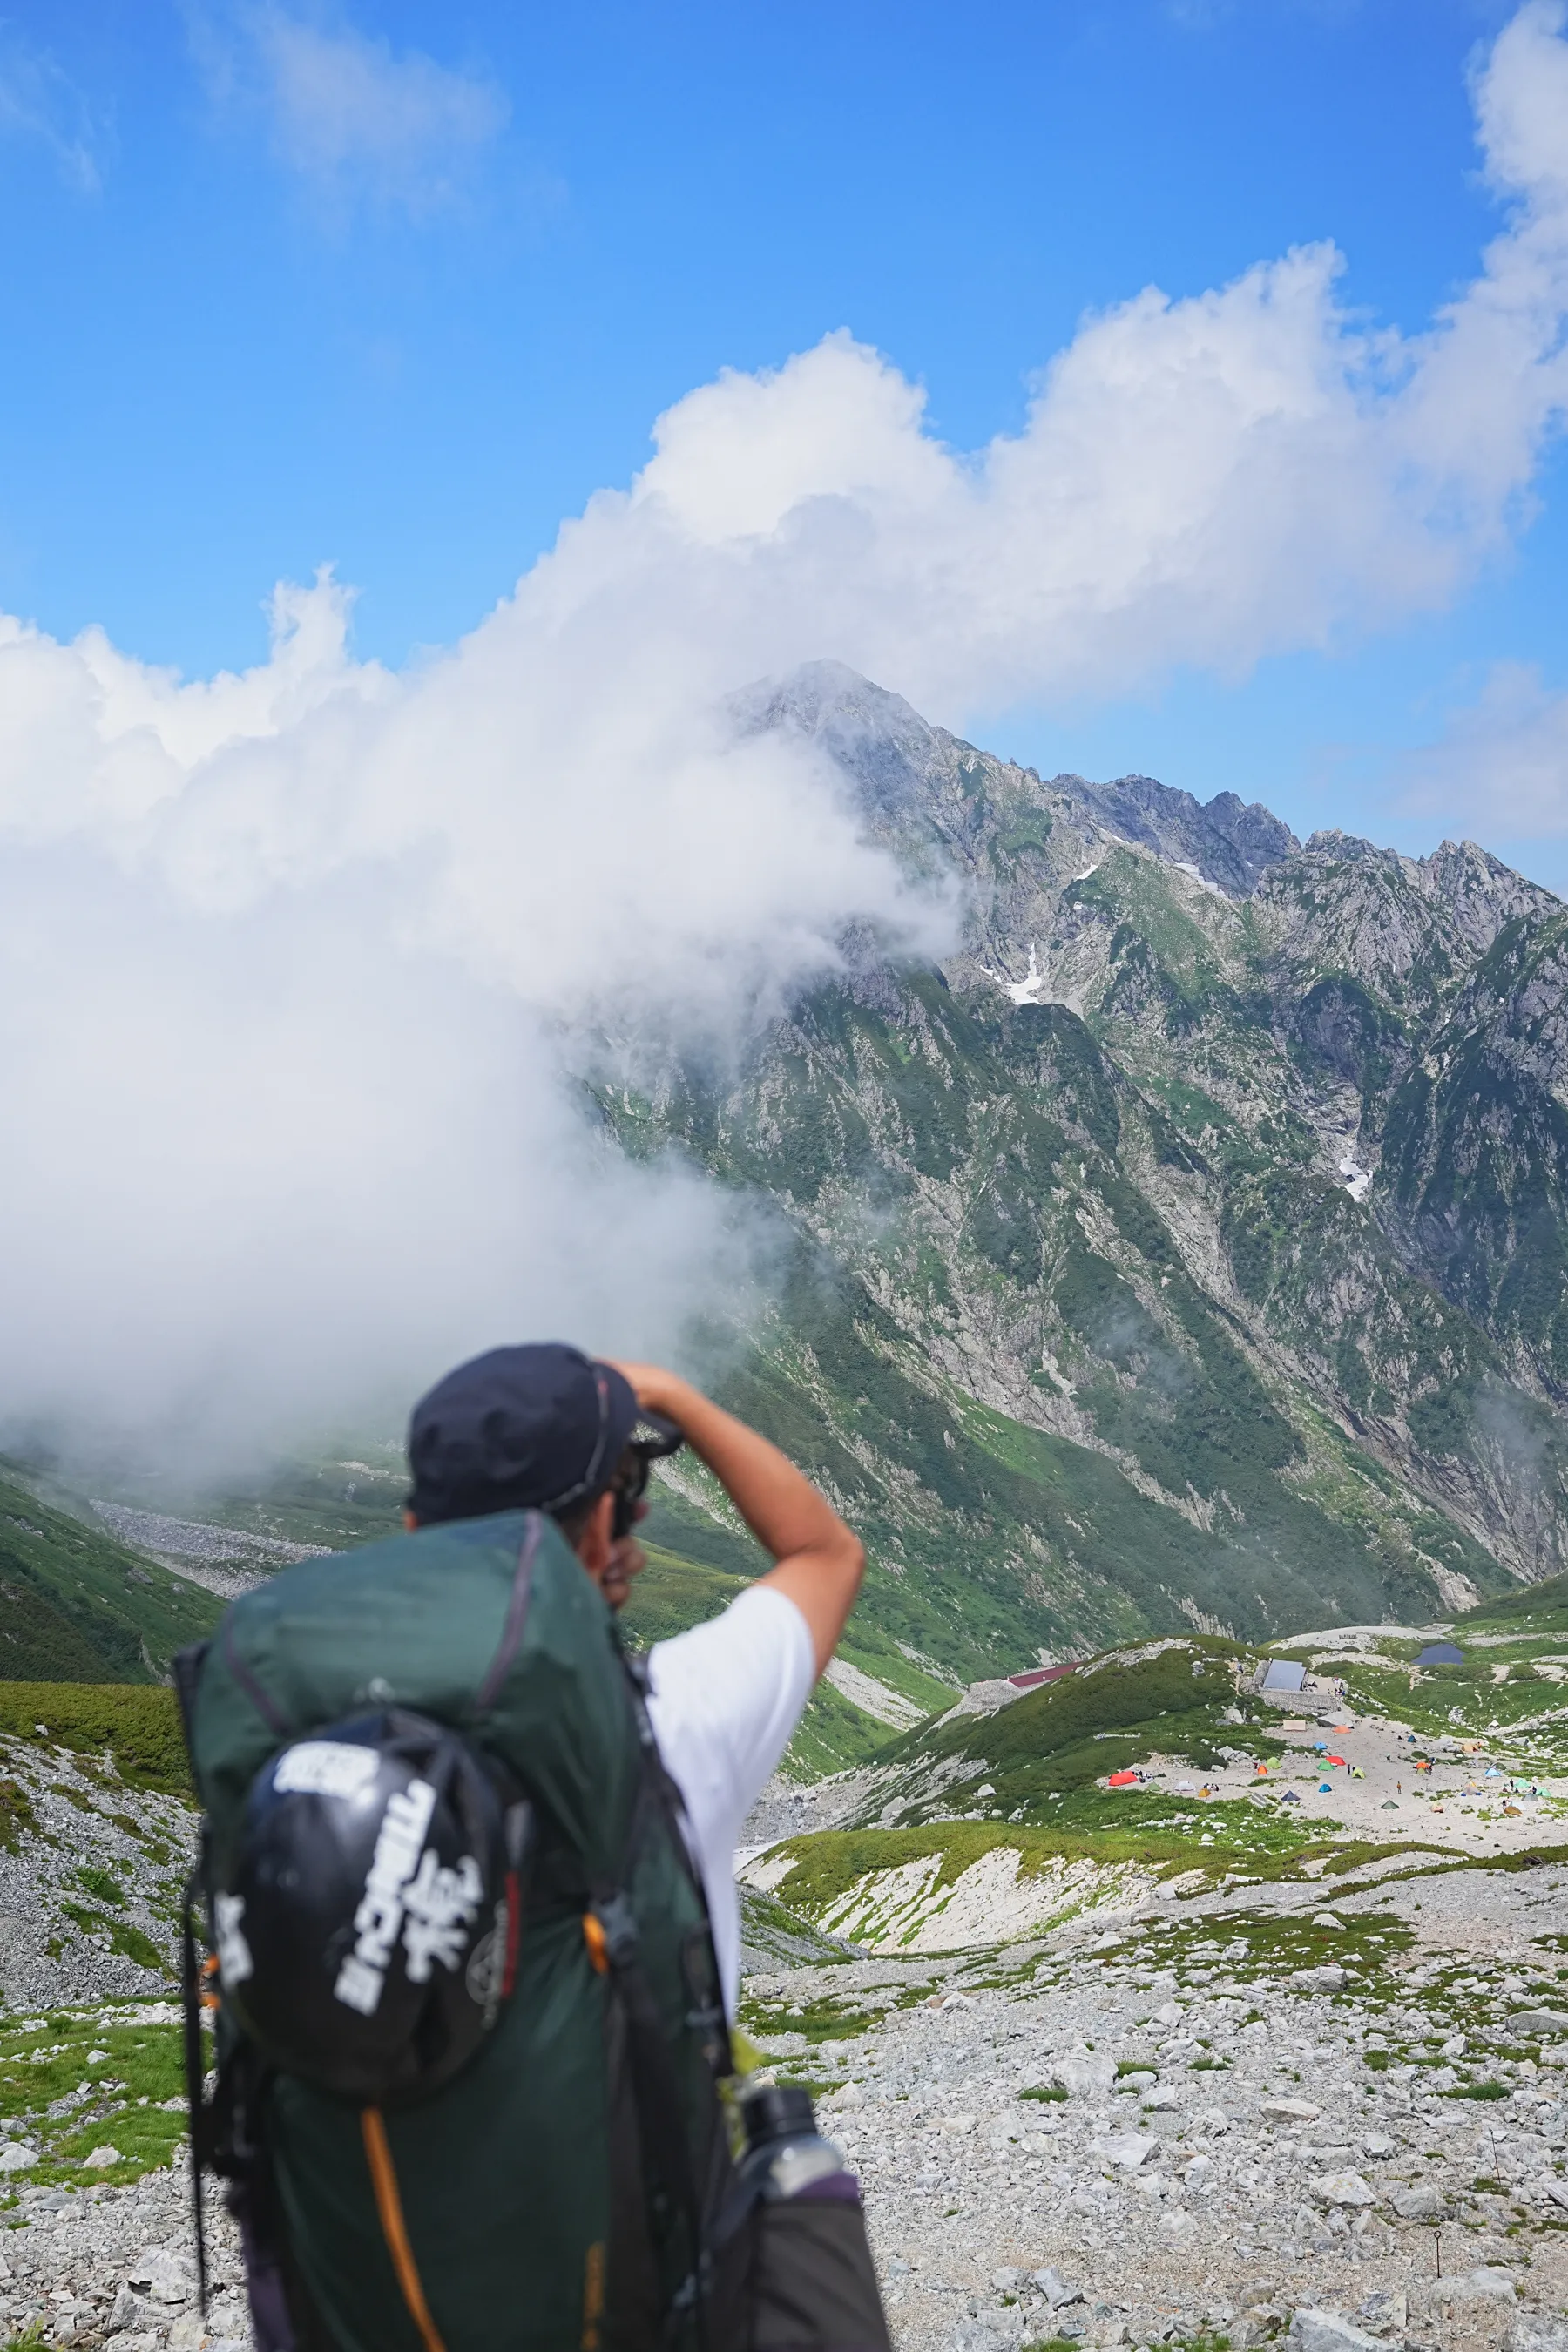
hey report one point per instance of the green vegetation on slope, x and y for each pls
(74, 1604)
(137, 1728)
(1539, 1608)
(826, 1865)
(989, 1539)
(134, 2102)
(1040, 1757)
(672, 1594)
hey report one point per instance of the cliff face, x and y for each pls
(1188, 1245)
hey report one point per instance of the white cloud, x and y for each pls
(286, 959)
(1199, 481)
(357, 120)
(1501, 766)
(39, 103)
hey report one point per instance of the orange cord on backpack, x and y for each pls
(598, 1946)
(389, 2206)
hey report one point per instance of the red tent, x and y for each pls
(1122, 1780)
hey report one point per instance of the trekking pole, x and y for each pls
(196, 2074)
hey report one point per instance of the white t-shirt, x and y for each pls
(724, 1699)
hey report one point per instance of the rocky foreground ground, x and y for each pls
(1343, 2117)
(1340, 2118)
(1313, 2090)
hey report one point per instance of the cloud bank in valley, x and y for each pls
(286, 959)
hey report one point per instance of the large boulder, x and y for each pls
(1313, 2330)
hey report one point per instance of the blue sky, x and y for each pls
(251, 329)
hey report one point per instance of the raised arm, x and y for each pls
(818, 1561)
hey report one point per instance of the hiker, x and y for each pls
(469, 1869)
(725, 1697)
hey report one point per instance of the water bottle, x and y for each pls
(784, 2150)
(809, 2279)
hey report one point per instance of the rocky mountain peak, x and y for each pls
(1479, 892)
(1230, 842)
(1191, 1240)
(877, 738)
(910, 776)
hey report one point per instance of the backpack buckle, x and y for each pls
(619, 1935)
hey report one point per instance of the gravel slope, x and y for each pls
(1187, 2198)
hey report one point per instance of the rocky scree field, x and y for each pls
(1250, 2050)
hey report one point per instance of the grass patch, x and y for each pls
(1052, 2092)
(672, 1594)
(103, 1884)
(120, 1936)
(833, 2017)
(1363, 1945)
(1547, 1600)
(1478, 2091)
(825, 1864)
(134, 1945)
(17, 1814)
(41, 2066)
(137, 1725)
(833, 1734)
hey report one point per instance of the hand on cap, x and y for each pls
(655, 1389)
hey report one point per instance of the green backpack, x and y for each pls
(560, 2194)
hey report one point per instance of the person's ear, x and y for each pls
(594, 1541)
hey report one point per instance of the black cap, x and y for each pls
(534, 1428)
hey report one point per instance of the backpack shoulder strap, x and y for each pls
(615, 1945)
(660, 1792)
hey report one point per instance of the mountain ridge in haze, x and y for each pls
(1183, 1250)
